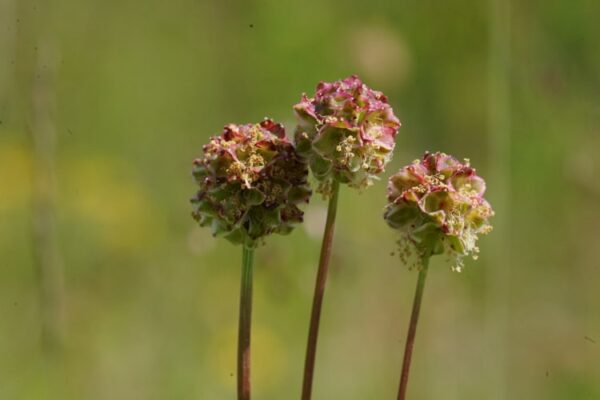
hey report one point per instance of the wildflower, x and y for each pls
(251, 182)
(437, 204)
(347, 132)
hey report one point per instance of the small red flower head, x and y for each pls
(251, 182)
(437, 204)
(347, 132)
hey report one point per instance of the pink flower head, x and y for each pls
(437, 203)
(251, 181)
(347, 132)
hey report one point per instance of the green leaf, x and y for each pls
(272, 217)
(206, 207)
(236, 237)
(253, 197)
(222, 192)
(219, 227)
(319, 166)
(298, 194)
(328, 139)
(400, 216)
(456, 244)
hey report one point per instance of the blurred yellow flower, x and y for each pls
(269, 357)
(103, 193)
(15, 176)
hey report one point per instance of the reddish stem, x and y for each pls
(412, 330)
(313, 333)
(243, 367)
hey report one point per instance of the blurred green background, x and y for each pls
(104, 104)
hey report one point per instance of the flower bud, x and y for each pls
(347, 132)
(251, 182)
(437, 204)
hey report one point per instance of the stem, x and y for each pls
(412, 330)
(313, 333)
(46, 256)
(498, 277)
(243, 372)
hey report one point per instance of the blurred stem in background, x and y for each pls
(498, 275)
(245, 325)
(45, 243)
(313, 333)
(412, 330)
(7, 47)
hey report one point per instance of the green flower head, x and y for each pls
(251, 182)
(347, 133)
(437, 204)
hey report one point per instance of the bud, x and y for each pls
(437, 204)
(346, 132)
(251, 182)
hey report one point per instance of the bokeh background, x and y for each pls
(104, 104)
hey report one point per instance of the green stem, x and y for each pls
(46, 255)
(243, 372)
(313, 333)
(412, 330)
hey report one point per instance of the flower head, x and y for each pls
(251, 181)
(437, 204)
(347, 132)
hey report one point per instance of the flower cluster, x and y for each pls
(251, 181)
(437, 204)
(347, 132)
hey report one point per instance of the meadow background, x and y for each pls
(104, 104)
